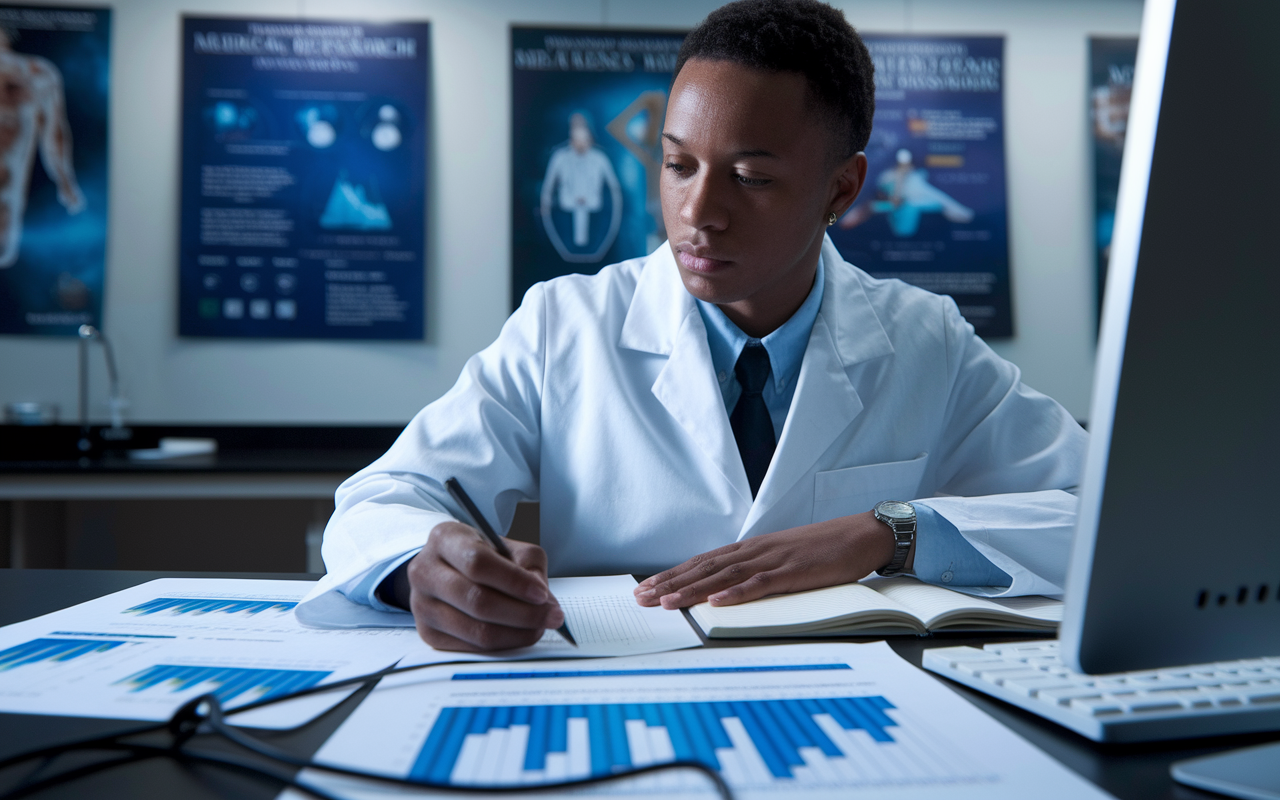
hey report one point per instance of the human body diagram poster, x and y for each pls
(586, 124)
(54, 64)
(1111, 63)
(934, 211)
(303, 178)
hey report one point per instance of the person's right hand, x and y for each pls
(465, 596)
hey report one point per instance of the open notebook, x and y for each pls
(876, 607)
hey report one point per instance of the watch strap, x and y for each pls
(904, 536)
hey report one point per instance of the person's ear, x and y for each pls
(847, 180)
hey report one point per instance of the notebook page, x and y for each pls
(801, 608)
(931, 602)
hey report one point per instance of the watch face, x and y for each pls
(896, 509)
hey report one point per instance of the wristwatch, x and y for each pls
(900, 516)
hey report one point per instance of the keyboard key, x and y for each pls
(1064, 697)
(1031, 686)
(1149, 704)
(999, 676)
(1096, 706)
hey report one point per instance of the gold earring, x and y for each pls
(831, 219)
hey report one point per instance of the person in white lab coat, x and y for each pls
(631, 403)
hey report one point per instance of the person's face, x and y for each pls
(579, 134)
(748, 182)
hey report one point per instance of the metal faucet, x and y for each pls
(117, 431)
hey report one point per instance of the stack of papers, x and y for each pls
(143, 652)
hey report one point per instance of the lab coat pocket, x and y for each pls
(853, 490)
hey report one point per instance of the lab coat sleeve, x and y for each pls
(484, 431)
(1006, 466)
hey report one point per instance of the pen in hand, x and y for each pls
(463, 499)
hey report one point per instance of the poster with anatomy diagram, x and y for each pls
(55, 69)
(303, 178)
(934, 210)
(1111, 63)
(587, 108)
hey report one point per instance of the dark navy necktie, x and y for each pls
(752, 426)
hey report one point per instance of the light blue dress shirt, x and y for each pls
(943, 556)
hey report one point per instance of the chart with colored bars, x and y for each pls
(175, 606)
(820, 741)
(51, 650)
(227, 683)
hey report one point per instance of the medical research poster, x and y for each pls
(55, 69)
(934, 211)
(587, 108)
(1111, 63)
(303, 178)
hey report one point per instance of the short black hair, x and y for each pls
(803, 36)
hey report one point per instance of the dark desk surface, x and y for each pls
(1130, 772)
(53, 450)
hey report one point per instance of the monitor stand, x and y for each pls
(1252, 773)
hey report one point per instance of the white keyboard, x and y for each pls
(1202, 700)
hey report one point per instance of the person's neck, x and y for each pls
(769, 309)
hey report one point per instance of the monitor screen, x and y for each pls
(1177, 554)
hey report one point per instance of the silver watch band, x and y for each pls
(904, 536)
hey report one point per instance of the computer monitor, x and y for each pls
(1176, 558)
(1177, 554)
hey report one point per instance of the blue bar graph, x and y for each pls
(777, 729)
(231, 681)
(39, 650)
(629, 673)
(175, 606)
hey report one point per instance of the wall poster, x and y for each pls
(303, 178)
(1111, 63)
(933, 211)
(54, 64)
(587, 108)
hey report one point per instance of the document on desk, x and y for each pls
(143, 652)
(601, 613)
(820, 720)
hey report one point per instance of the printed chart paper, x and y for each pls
(303, 178)
(143, 652)
(934, 209)
(55, 65)
(822, 721)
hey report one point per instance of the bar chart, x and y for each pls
(825, 721)
(52, 650)
(845, 741)
(226, 683)
(177, 606)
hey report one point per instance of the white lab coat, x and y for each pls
(599, 400)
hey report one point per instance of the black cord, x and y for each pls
(205, 713)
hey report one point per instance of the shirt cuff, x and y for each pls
(366, 591)
(945, 558)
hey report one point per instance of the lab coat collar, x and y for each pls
(663, 319)
(661, 304)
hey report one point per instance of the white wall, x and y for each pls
(168, 379)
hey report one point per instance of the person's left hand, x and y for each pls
(809, 557)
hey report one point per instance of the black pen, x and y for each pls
(459, 494)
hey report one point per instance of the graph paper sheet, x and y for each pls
(143, 652)
(823, 721)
